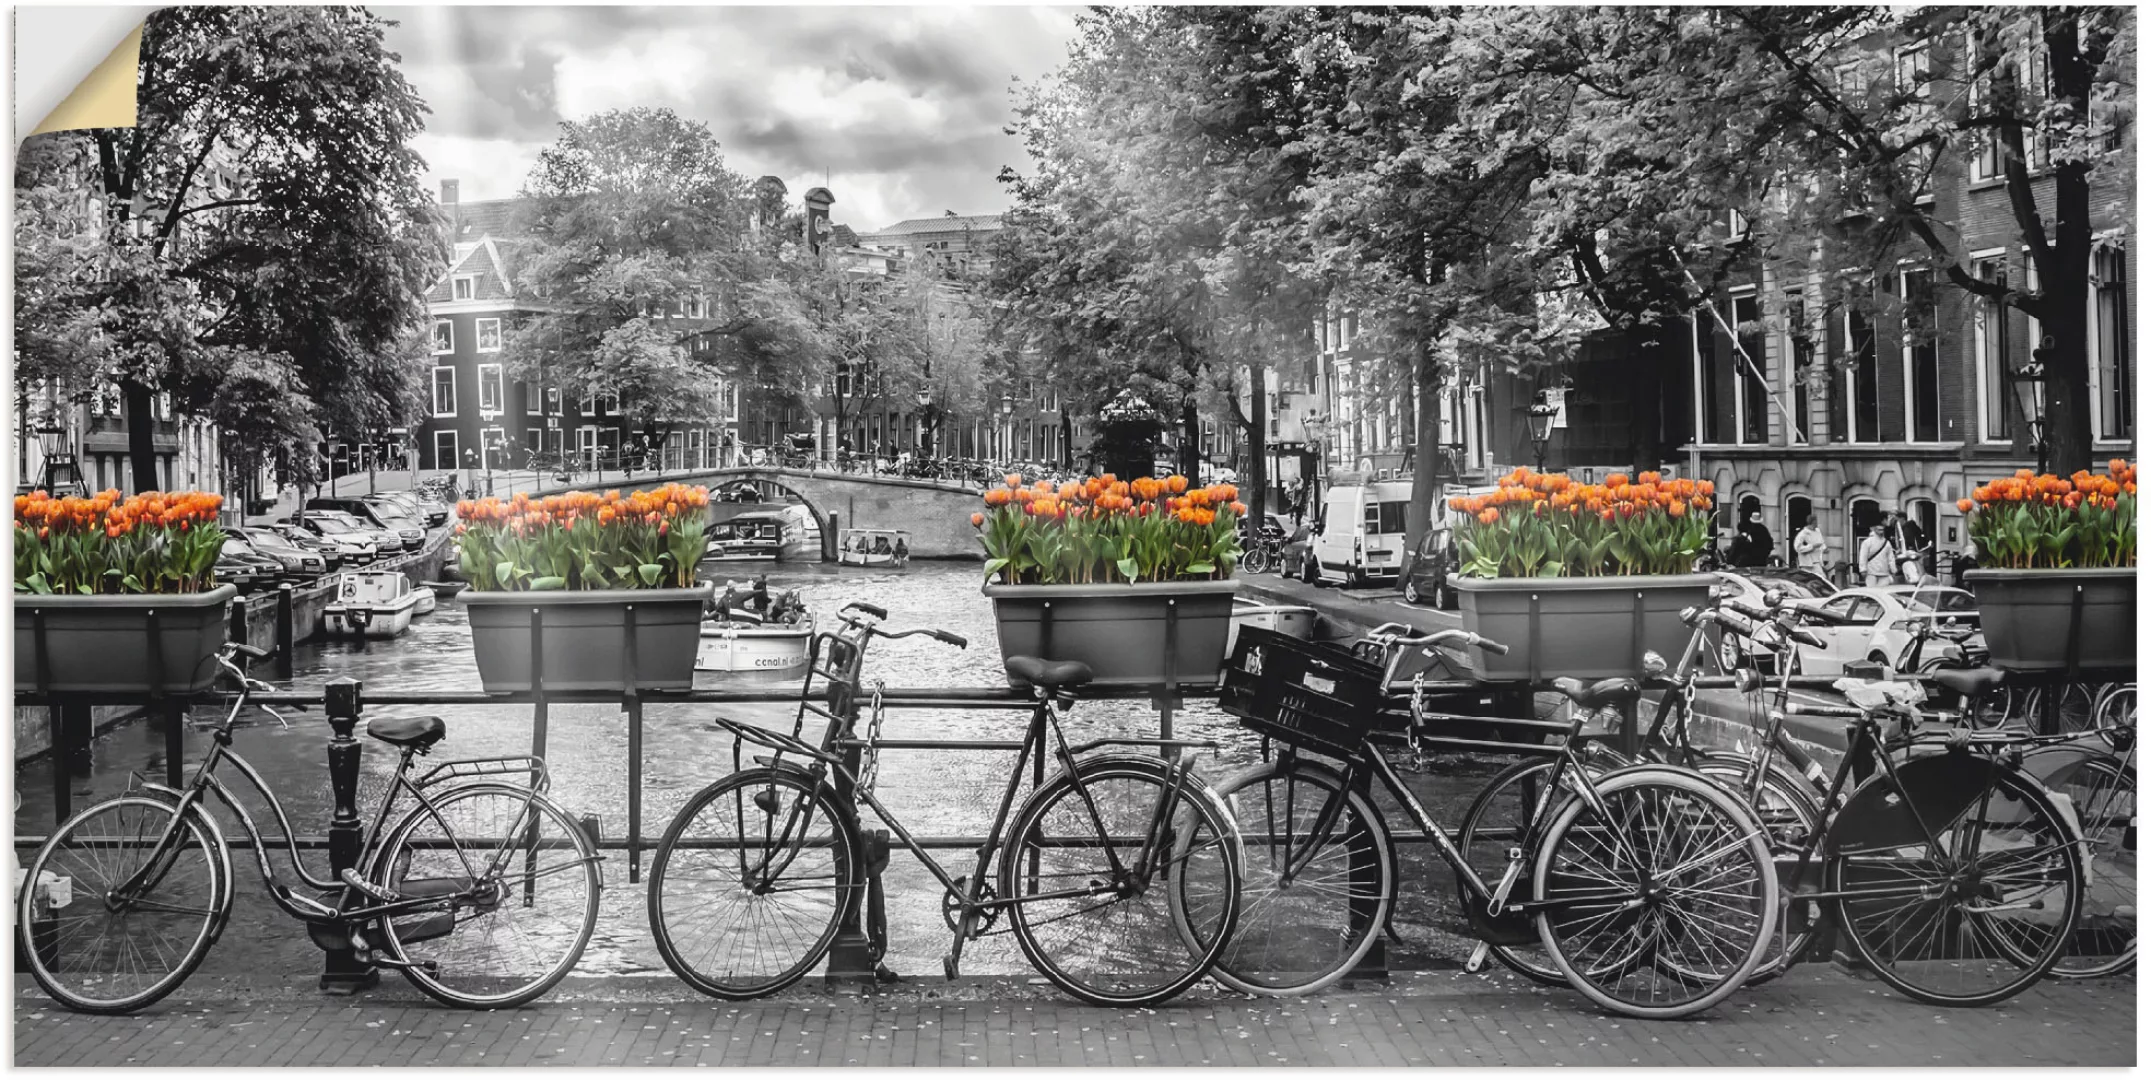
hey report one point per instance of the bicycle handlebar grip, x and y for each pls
(1490, 645)
(1745, 608)
(875, 610)
(953, 639)
(250, 651)
(1803, 635)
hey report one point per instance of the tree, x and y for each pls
(640, 254)
(315, 256)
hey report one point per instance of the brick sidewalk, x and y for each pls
(1814, 1017)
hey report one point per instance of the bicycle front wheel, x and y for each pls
(518, 885)
(750, 883)
(1962, 882)
(1091, 912)
(95, 949)
(1314, 892)
(1255, 561)
(1659, 900)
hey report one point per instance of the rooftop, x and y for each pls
(944, 223)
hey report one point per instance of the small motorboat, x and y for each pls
(1288, 619)
(427, 601)
(446, 590)
(373, 604)
(874, 547)
(747, 632)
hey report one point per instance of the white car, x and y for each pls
(1752, 585)
(1875, 625)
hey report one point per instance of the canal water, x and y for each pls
(931, 792)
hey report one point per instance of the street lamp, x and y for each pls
(470, 471)
(1008, 426)
(2029, 382)
(1541, 416)
(925, 399)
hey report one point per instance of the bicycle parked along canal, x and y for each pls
(1119, 875)
(1650, 886)
(484, 894)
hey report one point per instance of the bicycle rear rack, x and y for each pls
(503, 766)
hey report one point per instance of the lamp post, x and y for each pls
(925, 400)
(470, 470)
(1541, 416)
(1008, 427)
(2029, 382)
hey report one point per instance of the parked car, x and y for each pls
(427, 514)
(1750, 583)
(412, 530)
(239, 564)
(1297, 558)
(337, 523)
(341, 549)
(410, 534)
(299, 563)
(1876, 624)
(1427, 572)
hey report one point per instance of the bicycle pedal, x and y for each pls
(367, 888)
(1477, 961)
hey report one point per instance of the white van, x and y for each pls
(1360, 533)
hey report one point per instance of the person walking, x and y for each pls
(1752, 548)
(1809, 548)
(1877, 560)
(1910, 544)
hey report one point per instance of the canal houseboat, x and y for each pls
(874, 547)
(371, 603)
(784, 533)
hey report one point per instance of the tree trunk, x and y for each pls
(1067, 439)
(2067, 320)
(1643, 358)
(1258, 471)
(141, 432)
(1426, 388)
(1190, 441)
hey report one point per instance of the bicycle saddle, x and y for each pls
(1970, 682)
(416, 732)
(1598, 695)
(1048, 674)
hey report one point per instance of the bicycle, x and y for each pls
(1265, 553)
(471, 872)
(1650, 886)
(1119, 874)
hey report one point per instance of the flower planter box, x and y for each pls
(1585, 627)
(2032, 618)
(1150, 633)
(588, 644)
(102, 644)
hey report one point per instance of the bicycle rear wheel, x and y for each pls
(1790, 811)
(1117, 939)
(1500, 819)
(2103, 792)
(518, 882)
(1973, 916)
(750, 883)
(1255, 560)
(94, 953)
(1313, 898)
(1662, 900)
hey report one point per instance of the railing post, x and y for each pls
(342, 972)
(287, 630)
(851, 955)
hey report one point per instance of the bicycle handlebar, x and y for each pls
(875, 610)
(1383, 634)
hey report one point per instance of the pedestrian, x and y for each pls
(1809, 548)
(1877, 559)
(1910, 544)
(1753, 546)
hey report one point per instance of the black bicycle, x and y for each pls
(483, 895)
(1119, 875)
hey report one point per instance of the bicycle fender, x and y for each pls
(1942, 786)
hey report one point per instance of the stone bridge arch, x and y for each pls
(935, 513)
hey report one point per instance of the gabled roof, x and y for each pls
(485, 247)
(476, 220)
(945, 223)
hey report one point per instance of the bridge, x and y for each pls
(936, 513)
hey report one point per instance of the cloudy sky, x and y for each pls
(901, 107)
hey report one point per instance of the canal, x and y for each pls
(932, 792)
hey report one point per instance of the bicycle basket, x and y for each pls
(1309, 694)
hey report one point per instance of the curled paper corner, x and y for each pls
(68, 73)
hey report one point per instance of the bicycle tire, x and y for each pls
(1255, 561)
(1285, 949)
(781, 841)
(2102, 791)
(1186, 943)
(1741, 893)
(1485, 849)
(1790, 811)
(1869, 837)
(2115, 714)
(92, 878)
(518, 855)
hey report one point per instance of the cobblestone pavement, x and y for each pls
(1813, 1017)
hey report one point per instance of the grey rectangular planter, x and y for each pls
(1121, 631)
(1588, 628)
(102, 644)
(2026, 616)
(588, 642)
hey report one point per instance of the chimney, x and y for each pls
(449, 195)
(818, 202)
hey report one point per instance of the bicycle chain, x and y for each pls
(870, 757)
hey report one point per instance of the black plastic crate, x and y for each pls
(1309, 694)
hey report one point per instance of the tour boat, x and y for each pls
(1289, 619)
(874, 547)
(743, 641)
(371, 603)
(781, 533)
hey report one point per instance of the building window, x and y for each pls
(444, 391)
(489, 335)
(489, 388)
(1990, 353)
(1922, 363)
(1706, 386)
(464, 287)
(1865, 386)
(1754, 400)
(1984, 151)
(444, 450)
(2110, 374)
(444, 336)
